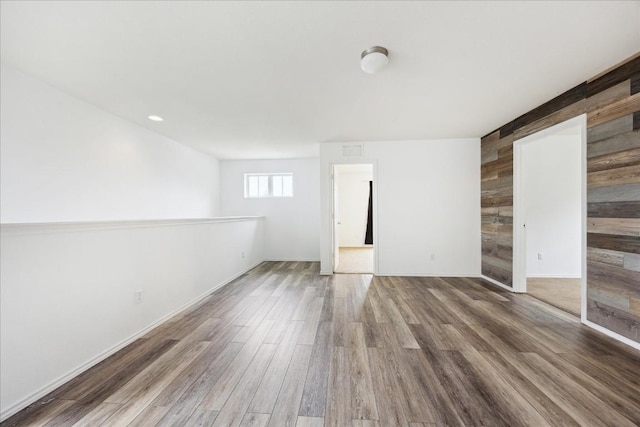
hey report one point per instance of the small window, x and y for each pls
(268, 185)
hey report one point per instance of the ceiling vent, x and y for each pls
(352, 150)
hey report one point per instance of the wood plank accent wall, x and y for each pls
(612, 103)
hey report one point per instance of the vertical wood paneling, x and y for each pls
(612, 103)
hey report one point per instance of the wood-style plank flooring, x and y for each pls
(355, 260)
(560, 292)
(283, 346)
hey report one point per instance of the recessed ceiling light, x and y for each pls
(156, 118)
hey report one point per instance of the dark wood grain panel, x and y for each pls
(614, 93)
(497, 201)
(614, 110)
(500, 187)
(620, 142)
(614, 160)
(631, 262)
(610, 129)
(611, 318)
(503, 166)
(498, 221)
(613, 77)
(614, 279)
(503, 276)
(617, 226)
(572, 96)
(489, 148)
(613, 210)
(614, 193)
(606, 296)
(605, 256)
(507, 129)
(555, 117)
(635, 83)
(617, 176)
(614, 242)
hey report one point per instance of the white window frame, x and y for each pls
(270, 187)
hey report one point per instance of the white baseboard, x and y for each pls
(553, 276)
(387, 274)
(14, 409)
(292, 260)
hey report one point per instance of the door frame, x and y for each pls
(519, 231)
(374, 195)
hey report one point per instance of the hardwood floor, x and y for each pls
(560, 292)
(355, 260)
(283, 346)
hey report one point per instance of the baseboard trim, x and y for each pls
(552, 276)
(495, 282)
(387, 274)
(17, 407)
(291, 260)
(616, 336)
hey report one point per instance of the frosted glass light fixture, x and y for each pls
(374, 59)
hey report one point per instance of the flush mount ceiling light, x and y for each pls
(155, 118)
(374, 59)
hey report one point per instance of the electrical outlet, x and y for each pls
(138, 296)
(242, 254)
(539, 256)
(432, 256)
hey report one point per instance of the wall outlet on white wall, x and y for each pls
(242, 254)
(432, 256)
(138, 296)
(539, 256)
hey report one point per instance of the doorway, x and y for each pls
(353, 217)
(549, 215)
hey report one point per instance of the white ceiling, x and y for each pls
(274, 79)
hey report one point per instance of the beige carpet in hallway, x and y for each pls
(561, 293)
(355, 260)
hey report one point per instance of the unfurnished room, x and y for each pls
(319, 213)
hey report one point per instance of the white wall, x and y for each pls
(428, 202)
(353, 193)
(67, 294)
(551, 189)
(291, 224)
(67, 289)
(65, 160)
